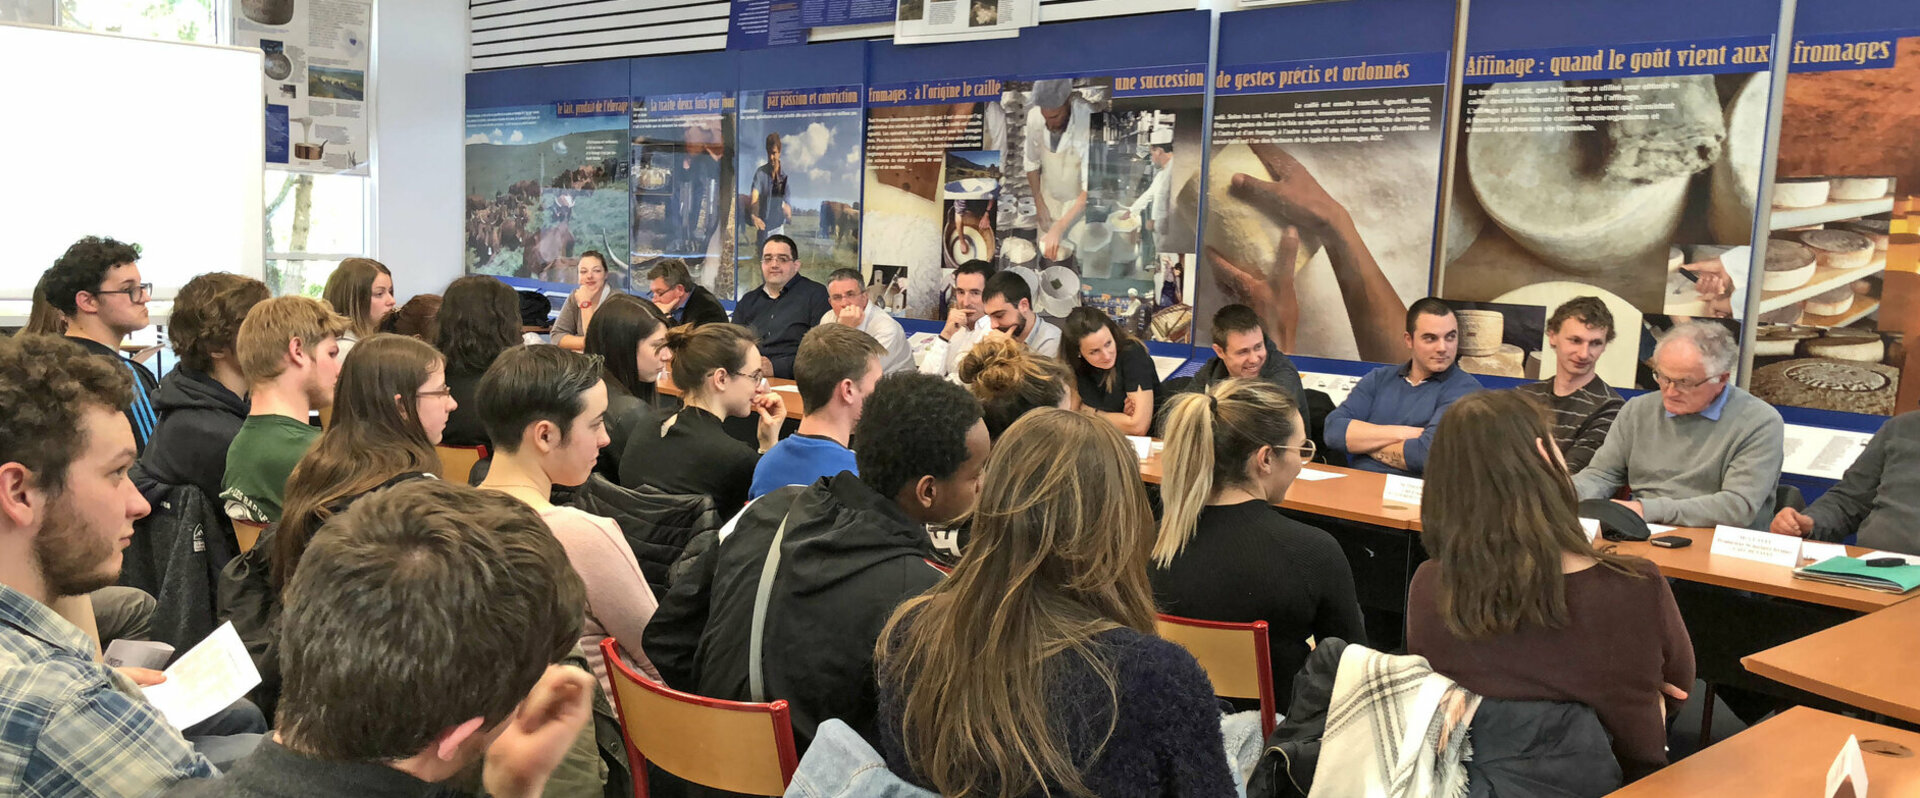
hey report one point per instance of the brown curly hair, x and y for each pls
(46, 383)
(207, 314)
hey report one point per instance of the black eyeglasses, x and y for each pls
(138, 293)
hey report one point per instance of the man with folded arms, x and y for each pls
(1878, 497)
(1387, 422)
(1700, 451)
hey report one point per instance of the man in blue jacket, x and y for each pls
(1387, 422)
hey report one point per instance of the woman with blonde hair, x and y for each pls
(1518, 604)
(360, 289)
(1009, 379)
(1225, 553)
(1034, 668)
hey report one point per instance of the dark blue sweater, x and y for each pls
(1166, 741)
(1384, 397)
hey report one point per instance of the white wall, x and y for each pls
(420, 64)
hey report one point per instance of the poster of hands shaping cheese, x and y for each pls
(313, 62)
(1069, 181)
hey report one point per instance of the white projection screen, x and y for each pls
(151, 142)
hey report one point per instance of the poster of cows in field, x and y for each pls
(799, 174)
(546, 184)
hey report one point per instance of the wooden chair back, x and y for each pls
(247, 533)
(725, 745)
(1234, 655)
(457, 462)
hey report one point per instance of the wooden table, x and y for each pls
(1872, 663)
(1786, 755)
(1695, 564)
(1355, 496)
(781, 386)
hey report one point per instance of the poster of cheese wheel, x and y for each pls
(1323, 172)
(1611, 151)
(1835, 329)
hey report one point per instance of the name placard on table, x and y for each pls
(1403, 490)
(1755, 545)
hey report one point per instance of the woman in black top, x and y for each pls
(630, 336)
(690, 452)
(479, 318)
(1115, 375)
(1224, 553)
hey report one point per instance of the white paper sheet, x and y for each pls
(1311, 475)
(207, 679)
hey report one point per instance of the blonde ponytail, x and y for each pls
(1210, 437)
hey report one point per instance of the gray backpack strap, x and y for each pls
(756, 678)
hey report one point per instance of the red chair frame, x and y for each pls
(1262, 655)
(776, 712)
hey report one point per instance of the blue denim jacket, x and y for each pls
(840, 764)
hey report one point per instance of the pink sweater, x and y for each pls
(619, 602)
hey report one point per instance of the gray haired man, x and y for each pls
(1701, 451)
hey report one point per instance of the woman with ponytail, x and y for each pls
(1224, 552)
(720, 374)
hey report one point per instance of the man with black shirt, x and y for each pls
(784, 307)
(97, 285)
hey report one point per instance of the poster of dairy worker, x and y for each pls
(1059, 133)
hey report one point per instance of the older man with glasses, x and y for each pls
(1699, 452)
(783, 307)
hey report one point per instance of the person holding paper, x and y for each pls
(1583, 405)
(1878, 497)
(1224, 553)
(1517, 604)
(421, 636)
(73, 725)
(1387, 421)
(1701, 451)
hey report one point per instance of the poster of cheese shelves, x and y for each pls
(1841, 298)
(1321, 186)
(1625, 172)
(683, 182)
(315, 56)
(799, 175)
(546, 184)
(1067, 180)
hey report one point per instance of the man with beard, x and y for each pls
(73, 725)
(1008, 303)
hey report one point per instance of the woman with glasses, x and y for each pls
(720, 374)
(1224, 552)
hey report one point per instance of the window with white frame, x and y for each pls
(313, 221)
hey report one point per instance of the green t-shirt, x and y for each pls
(261, 458)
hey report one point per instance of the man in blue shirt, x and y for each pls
(836, 369)
(784, 307)
(1387, 422)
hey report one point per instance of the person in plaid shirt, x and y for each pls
(69, 725)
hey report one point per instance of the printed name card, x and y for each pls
(1752, 544)
(1310, 475)
(1847, 778)
(1142, 445)
(1403, 490)
(1592, 527)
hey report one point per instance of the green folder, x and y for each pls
(1855, 572)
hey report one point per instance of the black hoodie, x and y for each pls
(850, 556)
(198, 419)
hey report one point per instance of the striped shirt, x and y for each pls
(72, 726)
(1580, 419)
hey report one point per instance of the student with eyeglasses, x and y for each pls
(783, 308)
(96, 285)
(720, 374)
(1700, 451)
(1224, 552)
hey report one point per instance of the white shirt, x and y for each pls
(887, 331)
(1078, 135)
(943, 357)
(1158, 198)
